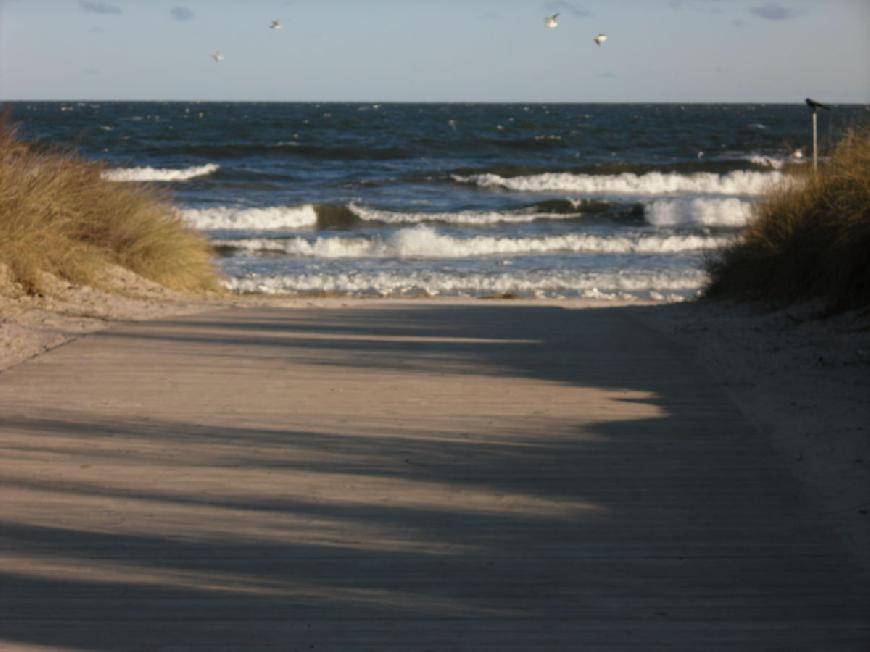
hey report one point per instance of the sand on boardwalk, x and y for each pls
(804, 382)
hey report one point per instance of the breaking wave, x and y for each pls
(327, 216)
(159, 174)
(469, 217)
(274, 218)
(730, 212)
(725, 212)
(565, 283)
(738, 182)
(760, 160)
(426, 242)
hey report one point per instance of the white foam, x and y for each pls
(159, 174)
(459, 217)
(730, 212)
(767, 161)
(254, 219)
(653, 183)
(617, 285)
(426, 242)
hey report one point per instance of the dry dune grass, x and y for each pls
(808, 240)
(58, 216)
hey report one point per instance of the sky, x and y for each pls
(438, 50)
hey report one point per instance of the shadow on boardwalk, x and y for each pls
(423, 476)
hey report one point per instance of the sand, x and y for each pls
(805, 383)
(30, 325)
(428, 431)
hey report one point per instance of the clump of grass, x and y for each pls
(808, 239)
(59, 216)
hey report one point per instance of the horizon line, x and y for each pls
(536, 102)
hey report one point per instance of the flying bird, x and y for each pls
(276, 24)
(816, 105)
(551, 21)
(217, 56)
(601, 38)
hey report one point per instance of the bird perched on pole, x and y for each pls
(816, 105)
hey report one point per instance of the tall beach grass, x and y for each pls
(808, 239)
(59, 216)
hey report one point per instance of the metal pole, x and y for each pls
(815, 143)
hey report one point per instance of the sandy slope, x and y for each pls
(31, 325)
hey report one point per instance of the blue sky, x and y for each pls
(446, 50)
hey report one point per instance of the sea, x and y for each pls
(603, 201)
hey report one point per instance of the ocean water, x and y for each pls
(580, 200)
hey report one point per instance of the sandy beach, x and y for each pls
(434, 327)
(449, 474)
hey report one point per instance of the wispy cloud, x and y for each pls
(564, 7)
(96, 7)
(773, 11)
(738, 22)
(182, 14)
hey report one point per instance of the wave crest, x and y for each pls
(598, 285)
(425, 242)
(159, 174)
(465, 217)
(251, 219)
(730, 212)
(738, 182)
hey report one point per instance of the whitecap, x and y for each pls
(653, 183)
(458, 217)
(606, 285)
(426, 242)
(270, 218)
(159, 174)
(730, 212)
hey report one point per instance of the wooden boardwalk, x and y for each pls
(417, 476)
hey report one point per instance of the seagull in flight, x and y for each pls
(276, 24)
(601, 38)
(217, 56)
(551, 21)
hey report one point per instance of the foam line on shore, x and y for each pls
(616, 285)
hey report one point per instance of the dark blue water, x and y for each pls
(479, 199)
